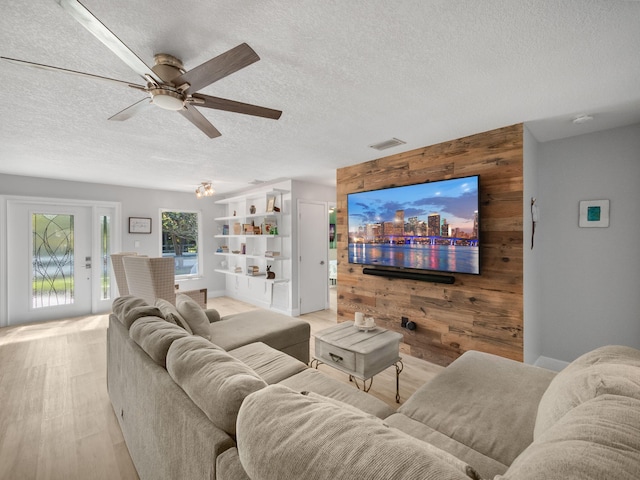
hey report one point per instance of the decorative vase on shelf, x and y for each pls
(252, 209)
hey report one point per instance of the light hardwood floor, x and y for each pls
(56, 421)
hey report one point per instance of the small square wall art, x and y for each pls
(594, 213)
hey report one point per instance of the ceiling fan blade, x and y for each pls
(195, 117)
(237, 107)
(132, 110)
(71, 72)
(108, 38)
(218, 67)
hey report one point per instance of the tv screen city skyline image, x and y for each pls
(432, 226)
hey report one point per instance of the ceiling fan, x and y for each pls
(167, 84)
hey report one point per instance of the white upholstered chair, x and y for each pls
(151, 278)
(119, 273)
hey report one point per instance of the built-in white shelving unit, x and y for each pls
(250, 237)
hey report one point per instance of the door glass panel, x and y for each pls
(53, 260)
(105, 255)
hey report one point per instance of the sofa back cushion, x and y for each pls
(598, 439)
(214, 380)
(128, 309)
(155, 336)
(607, 370)
(285, 434)
(194, 315)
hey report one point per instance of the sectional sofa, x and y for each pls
(210, 398)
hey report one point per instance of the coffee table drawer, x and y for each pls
(332, 355)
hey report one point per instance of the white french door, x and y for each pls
(57, 260)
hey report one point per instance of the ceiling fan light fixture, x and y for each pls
(167, 99)
(205, 190)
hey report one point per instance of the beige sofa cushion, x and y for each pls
(194, 316)
(155, 336)
(213, 379)
(610, 369)
(486, 466)
(128, 309)
(483, 401)
(312, 380)
(598, 439)
(172, 315)
(275, 329)
(228, 466)
(283, 434)
(270, 364)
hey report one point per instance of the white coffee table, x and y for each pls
(360, 354)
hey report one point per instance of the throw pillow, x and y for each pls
(193, 315)
(171, 314)
(128, 309)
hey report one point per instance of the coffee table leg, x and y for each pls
(399, 367)
(364, 383)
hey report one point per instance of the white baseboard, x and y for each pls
(550, 363)
(216, 293)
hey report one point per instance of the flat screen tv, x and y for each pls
(428, 226)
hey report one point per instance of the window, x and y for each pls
(105, 252)
(181, 240)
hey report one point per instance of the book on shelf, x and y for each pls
(271, 254)
(238, 270)
(254, 271)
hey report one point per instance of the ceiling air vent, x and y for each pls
(394, 142)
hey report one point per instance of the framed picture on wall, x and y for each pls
(139, 225)
(594, 213)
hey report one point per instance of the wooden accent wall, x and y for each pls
(482, 312)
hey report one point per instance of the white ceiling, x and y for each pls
(346, 74)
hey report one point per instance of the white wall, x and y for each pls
(136, 202)
(531, 285)
(590, 277)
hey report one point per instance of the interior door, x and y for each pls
(313, 239)
(49, 261)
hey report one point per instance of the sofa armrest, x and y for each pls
(212, 314)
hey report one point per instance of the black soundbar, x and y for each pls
(423, 277)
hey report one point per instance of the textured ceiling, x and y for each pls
(346, 74)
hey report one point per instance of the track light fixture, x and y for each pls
(205, 190)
